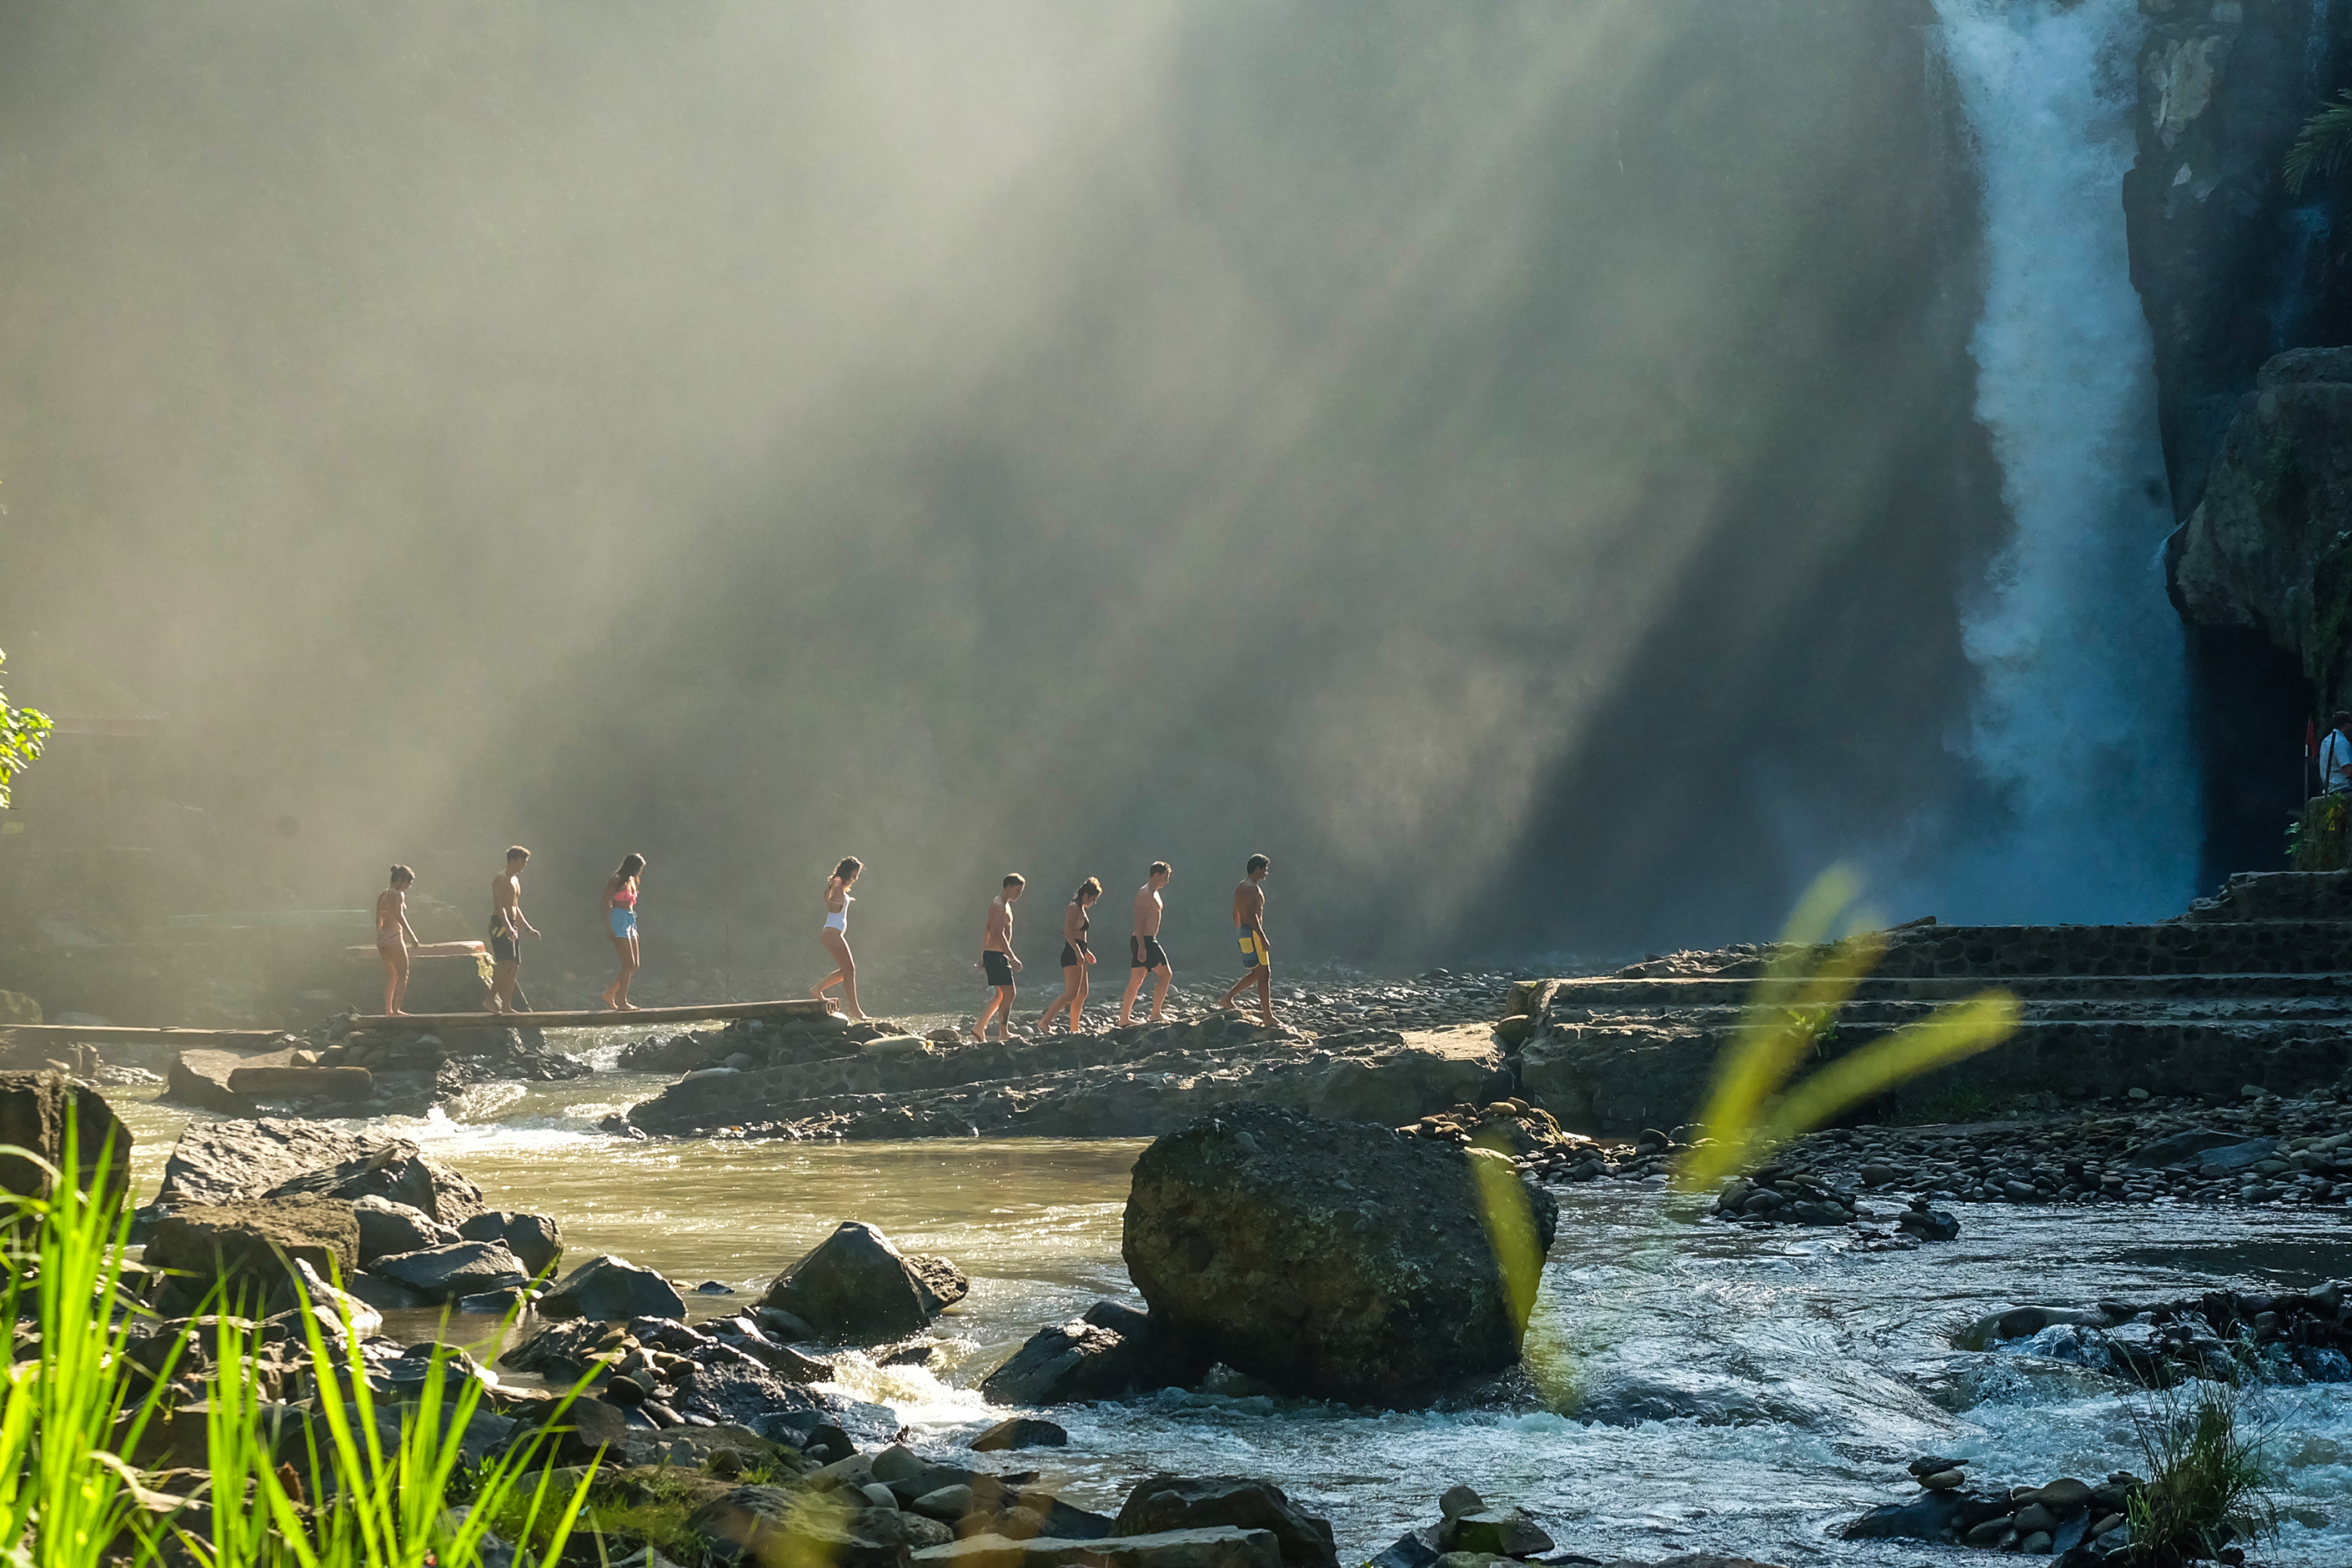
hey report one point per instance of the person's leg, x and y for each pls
(400, 990)
(995, 1000)
(1159, 995)
(632, 960)
(1135, 978)
(391, 976)
(502, 984)
(1005, 1012)
(619, 987)
(1266, 995)
(1078, 999)
(849, 978)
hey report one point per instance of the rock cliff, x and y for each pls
(2269, 548)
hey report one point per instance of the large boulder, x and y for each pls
(399, 1171)
(613, 1289)
(855, 1286)
(216, 1161)
(532, 1237)
(1333, 1260)
(35, 1110)
(758, 1524)
(1171, 1502)
(254, 1244)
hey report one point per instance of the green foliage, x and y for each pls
(22, 732)
(1791, 1015)
(2208, 1484)
(68, 1499)
(2323, 146)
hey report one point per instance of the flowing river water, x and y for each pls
(1821, 1370)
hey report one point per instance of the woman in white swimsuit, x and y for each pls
(836, 936)
(394, 937)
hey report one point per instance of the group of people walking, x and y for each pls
(395, 939)
(1147, 960)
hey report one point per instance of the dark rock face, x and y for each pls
(534, 1239)
(216, 1161)
(388, 1229)
(1020, 1432)
(35, 1108)
(1169, 1502)
(1112, 1352)
(446, 1273)
(2232, 268)
(258, 1240)
(608, 1288)
(855, 1286)
(1328, 1259)
(399, 1171)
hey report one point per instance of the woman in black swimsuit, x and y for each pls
(1076, 956)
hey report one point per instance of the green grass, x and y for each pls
(350, 1497)
(2208, 1483)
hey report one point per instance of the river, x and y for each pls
(1836, 1366)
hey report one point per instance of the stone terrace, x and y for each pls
(2252, 987)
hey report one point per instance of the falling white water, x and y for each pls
(2082, 723)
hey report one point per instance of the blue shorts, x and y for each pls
(624, 921)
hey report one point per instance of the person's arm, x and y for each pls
(413, 940)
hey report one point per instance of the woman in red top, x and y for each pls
(621, 917)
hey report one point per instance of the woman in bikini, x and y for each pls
(394, 937)
(836, 936)
(621, 918)
(1076, 956)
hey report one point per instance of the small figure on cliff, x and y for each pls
(507, 928)
(996, 959)
(1249, 925)
(1076, 955)
(394, 937)
(621, 915)
(1144, 954)
(2336, 755)
(836, 936)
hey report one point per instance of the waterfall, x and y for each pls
(2081, 728)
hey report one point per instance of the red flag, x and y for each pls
(2311, 738)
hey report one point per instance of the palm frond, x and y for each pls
(2324, 145)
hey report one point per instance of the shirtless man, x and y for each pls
(1144, 954)
(996, 958)
(1249, 924)
(507, 928)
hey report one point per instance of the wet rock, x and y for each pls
(254, 1244)
(384, 1295)
(1173, 1548)
(1112, 1352)
(213, 1162)
(855, 1286)
(1020, 1432)
(608, 1288)
(399, 1171)
(1169, 1502)
(388, 1229)
(34, 1109)
(462, 1268)
(1328, 1259)
(293, 1082)
(768, 1524)
(534, 1239)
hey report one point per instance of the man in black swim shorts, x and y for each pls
(507, 928)
(997, 961)
(1145, 956)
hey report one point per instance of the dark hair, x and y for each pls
(1158, 867)
(2340, 717)
(1015, 879)
(630, 866)
(1258, 863)
(517, 852)
(1090, 888)
(401, 874)
(850, 866)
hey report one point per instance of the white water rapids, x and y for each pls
(2082, 722)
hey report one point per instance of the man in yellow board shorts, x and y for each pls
(1249, 925)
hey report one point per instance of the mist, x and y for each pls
(1515, 466)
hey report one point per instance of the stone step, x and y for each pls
(1612, 993)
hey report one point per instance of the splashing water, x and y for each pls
(2082, 723)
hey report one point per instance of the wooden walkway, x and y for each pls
(801, 1007)
(118, 1034)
